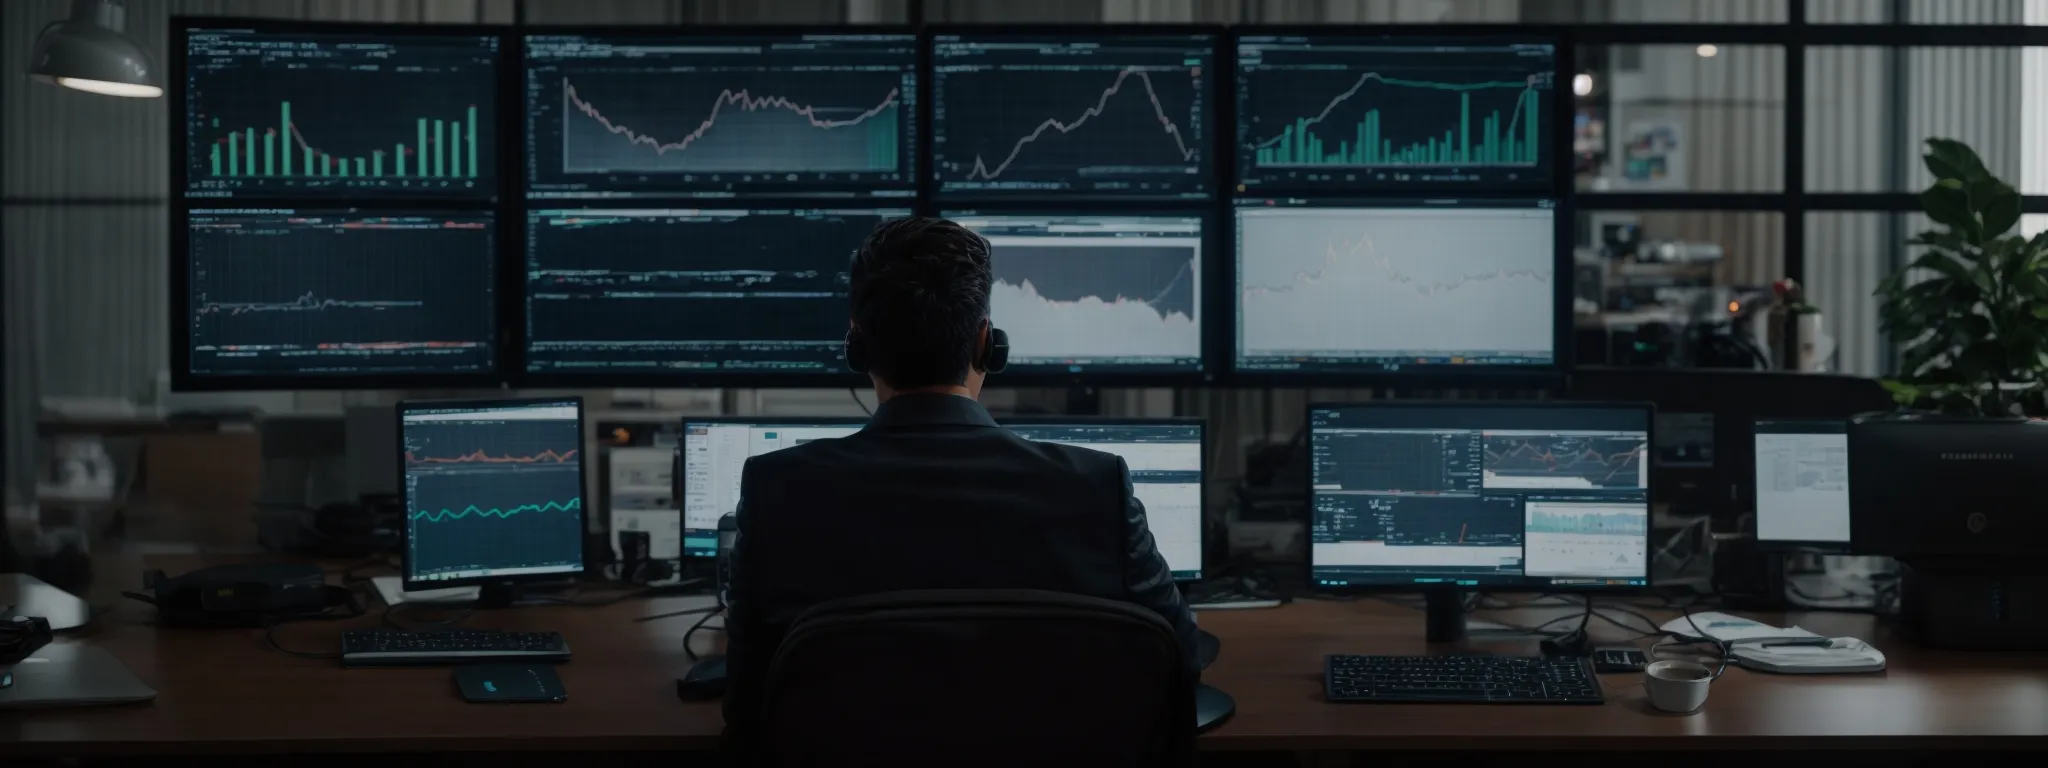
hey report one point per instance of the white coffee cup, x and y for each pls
(1677, 686)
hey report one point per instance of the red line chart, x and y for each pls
(726, 98)
(982, 171)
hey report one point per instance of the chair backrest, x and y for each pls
(988, 676)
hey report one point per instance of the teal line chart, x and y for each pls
(1496, 140)
(443, 515)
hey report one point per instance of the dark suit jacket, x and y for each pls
(932, 494)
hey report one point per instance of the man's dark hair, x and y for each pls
(920, 297)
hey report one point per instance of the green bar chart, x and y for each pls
(441, 149)
(1451, 132)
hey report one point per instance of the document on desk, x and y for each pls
(1732, 629)
(392, 591)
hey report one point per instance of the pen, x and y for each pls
(1818, 641)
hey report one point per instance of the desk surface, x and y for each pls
(224, 691)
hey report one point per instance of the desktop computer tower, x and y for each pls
(1975, 606)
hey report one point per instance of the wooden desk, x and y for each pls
(223, 691)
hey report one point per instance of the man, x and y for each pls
(931, 494)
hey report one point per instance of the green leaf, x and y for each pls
(1943, 263)
(1949, 206)
(1902, 393)
(1999, 204)
(2041, 313)
(1941, 239)
(1951, 159)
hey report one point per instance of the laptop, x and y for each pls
(69, 674)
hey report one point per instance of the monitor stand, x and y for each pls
(1444, 615)
(495, 595)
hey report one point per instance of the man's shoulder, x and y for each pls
(1085, 461)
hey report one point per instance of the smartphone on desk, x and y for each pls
(509, 684)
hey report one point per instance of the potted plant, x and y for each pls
(1971, 314)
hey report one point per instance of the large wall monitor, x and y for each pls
(1016, 114)
(1349, 113)
(1096, 294)
(294, 298)
(356, 114)
(1334, 287)
(1496, 496)
(718, 115)
(687, 292)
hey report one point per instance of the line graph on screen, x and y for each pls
(1098, 301)
(742, 130)
(982, 170)
(1358, 281)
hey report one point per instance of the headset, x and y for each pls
(993, 359)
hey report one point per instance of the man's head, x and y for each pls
(920, 304)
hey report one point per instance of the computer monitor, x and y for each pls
(283, 110)
(298, 298)
(705, 295)
(1166, 458)
(747, 113)
(1121, 113)
(1085, 296)
(493, 493)
(1802, 483)
(1331, 288)
(713, 452)
(1498, 496)
(1347, 112)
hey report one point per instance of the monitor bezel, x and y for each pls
(1550, 377)
(681, 478)
(914, 197)
(1211, 328)
(1750, 482)
(405, 536)
(503, 206)
(1200, 423)
(1218, 113)
(1649, 414)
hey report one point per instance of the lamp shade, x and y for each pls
(89, 53)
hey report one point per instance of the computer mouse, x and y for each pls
(705, 680)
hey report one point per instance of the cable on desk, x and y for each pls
(719, 611)
(270, 625)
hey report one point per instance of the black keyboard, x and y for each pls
(393, 648)
(1461, 679)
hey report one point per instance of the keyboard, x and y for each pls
(393, 648)
(1461, 680)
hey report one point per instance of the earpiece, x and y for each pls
(997, 357)
(993, 360)
(856, 356)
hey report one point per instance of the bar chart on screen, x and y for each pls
(331, 114)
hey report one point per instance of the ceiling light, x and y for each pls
(1708, 50)
(87, 52)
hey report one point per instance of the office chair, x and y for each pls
(987, 676)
